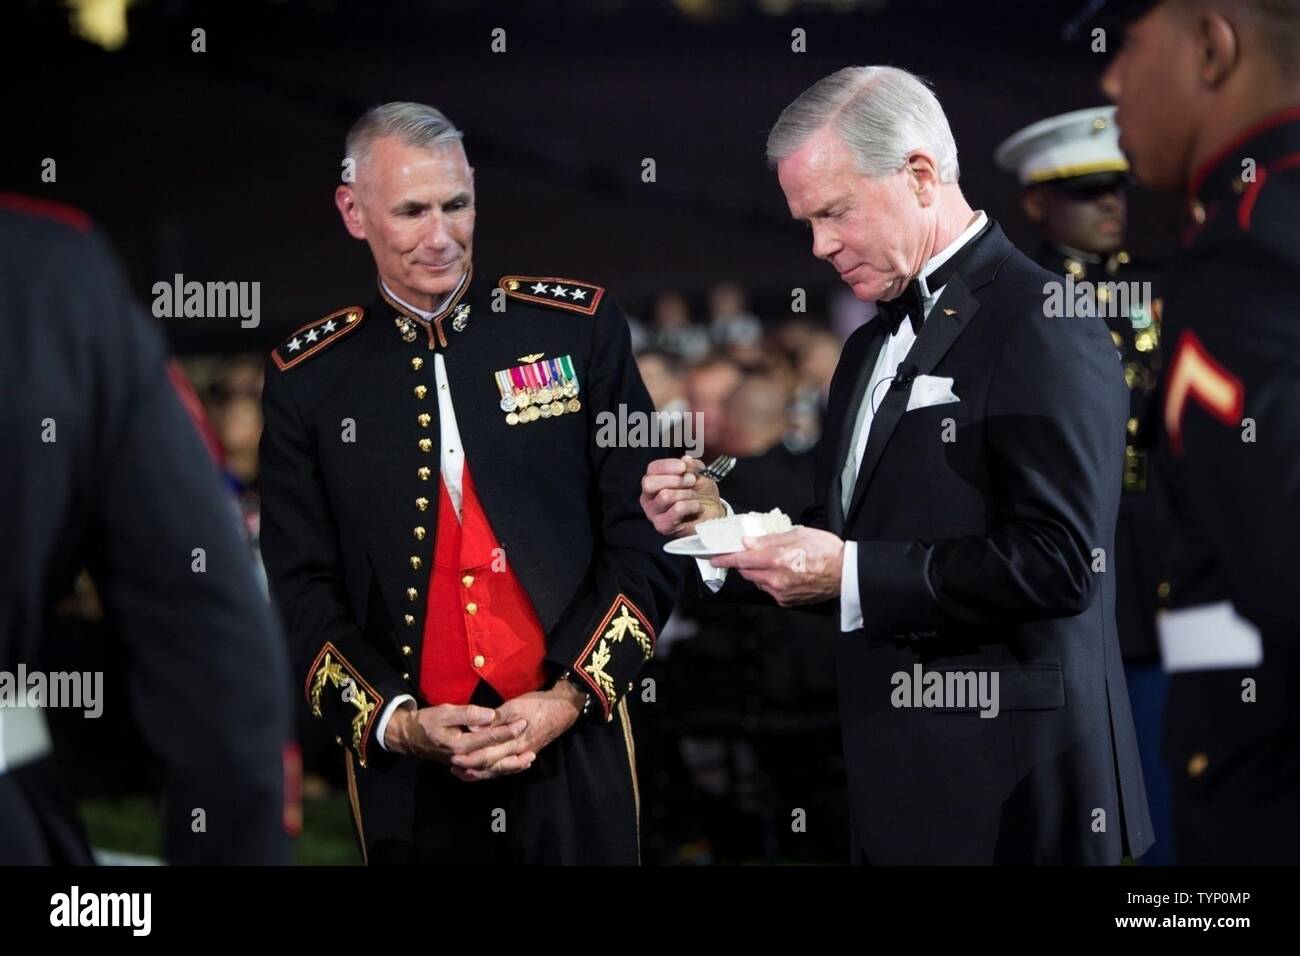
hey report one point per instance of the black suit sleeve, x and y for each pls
(1055, 431)
(606, 638)
(345, 681)
(208, 675)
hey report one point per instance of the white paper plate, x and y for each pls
(692, 547)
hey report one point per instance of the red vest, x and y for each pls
(480, 623)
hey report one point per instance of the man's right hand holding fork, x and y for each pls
(676, 493)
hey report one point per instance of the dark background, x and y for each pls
(220, 165)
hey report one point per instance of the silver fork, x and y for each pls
(720, 467)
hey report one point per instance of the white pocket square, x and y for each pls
(930, 390)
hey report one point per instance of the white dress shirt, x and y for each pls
(888, 361)
(451, 462)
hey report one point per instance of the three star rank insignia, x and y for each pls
(313, 337)
(571, 295)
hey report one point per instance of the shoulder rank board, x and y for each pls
(317, 336)
(572, 295)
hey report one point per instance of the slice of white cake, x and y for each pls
(724, 534)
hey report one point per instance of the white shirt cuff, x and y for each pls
(382, 725)
(850, 600)
(713, 577)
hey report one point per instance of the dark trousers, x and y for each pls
(577, 804)
(37, 823)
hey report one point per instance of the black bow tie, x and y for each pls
(910, 303)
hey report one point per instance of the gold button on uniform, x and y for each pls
(471, 608)
(419, 533)
(422, 504)
(426, 444)
(406, 677)
(1196, 764)
(408, 620)
(416, 562)
(424, 474)
(406, 650)
(417, 363)
(420, 391)
(479, 660)
(1198, 213)
(467, 580)
(1162, 590)
(1132, 426)
(412, 594)
(424, 419)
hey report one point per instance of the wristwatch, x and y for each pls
(586, 694)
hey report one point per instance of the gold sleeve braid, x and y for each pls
(332, 670)
(620, 644)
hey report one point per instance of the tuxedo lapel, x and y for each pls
(844, 436)
(947, 319)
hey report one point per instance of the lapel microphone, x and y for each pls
(903, 379)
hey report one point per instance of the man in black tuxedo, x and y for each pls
(965, 508)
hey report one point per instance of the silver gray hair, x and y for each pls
(416, 125)
(881, 113)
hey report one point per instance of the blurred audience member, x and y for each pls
(794, 334)
(236, 402)
(733, 328)
(708, 386)
(755, 416)
(817, 361)
(768, 475)
(673, 330)
(847, 312)
(731, 324)
(665, 380)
